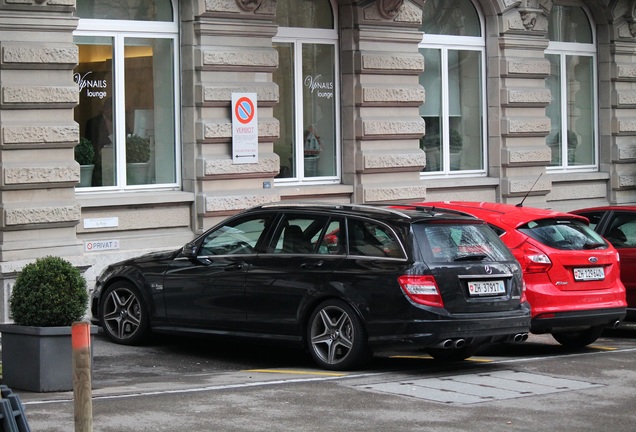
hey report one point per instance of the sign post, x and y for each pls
(244, 128)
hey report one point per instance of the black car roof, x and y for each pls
(387, 212)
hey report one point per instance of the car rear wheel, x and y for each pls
(452, 354)
(123, 314)
(336, 337)
(578, 339)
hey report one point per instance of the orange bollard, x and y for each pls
(82, 387)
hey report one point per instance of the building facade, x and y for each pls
(355, 101)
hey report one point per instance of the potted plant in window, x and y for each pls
(85, 156)
(137, 157)
(49, 295)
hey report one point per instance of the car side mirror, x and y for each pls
(189, 250)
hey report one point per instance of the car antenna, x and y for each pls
(528, 193)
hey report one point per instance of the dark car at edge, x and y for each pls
(341, 280)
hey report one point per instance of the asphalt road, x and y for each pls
(180, 384)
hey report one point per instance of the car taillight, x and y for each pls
(422, 290)
(523, 291)
(532, 260)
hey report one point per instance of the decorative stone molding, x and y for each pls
(20, 135)
(382, 160)
(211, 203)
(267, 163)
(249, 5)
(525, 156)
(218, 94)
(39, 95)
(392, 64)
(41, 215)
(393, 193)
(397, 11)
(530, 126)
(24, 55)
(527, 16)
(526, 97)
(521, 185)
(377, 95)
(39, 175)
(387, 129)
(234, 58)
(389, 9)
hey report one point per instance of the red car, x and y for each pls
(571, 273)
(618, 225)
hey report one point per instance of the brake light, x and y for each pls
(422, 290)
(532, 260)
(523, 291)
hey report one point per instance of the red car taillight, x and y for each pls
(532, 260)
(422, 290)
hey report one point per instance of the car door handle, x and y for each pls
(235, 266)
(312, 265)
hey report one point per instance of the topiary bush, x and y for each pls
(84, 152)
(137, 149)
(47, 293)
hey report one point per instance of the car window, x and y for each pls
(563, 234)
(238, 236)
(622, 230)
(298, 234)
(368, 238)
(456, 242)
(594, 217)
(332, 241)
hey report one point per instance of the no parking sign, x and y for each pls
(244, 128)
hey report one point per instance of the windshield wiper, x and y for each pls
(593, 245)
(471, 257)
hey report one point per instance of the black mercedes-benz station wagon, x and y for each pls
(344, 280)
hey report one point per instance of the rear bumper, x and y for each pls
(546, 323)
(474, 331)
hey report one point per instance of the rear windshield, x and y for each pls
(563, 234)
(444, 242)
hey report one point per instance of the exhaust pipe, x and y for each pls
(520, 337)
(459, 343)
(616, 324)
(446, 344)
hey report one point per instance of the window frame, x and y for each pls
(119, 31)
(290, 35)
(564, 50)
(446, 43)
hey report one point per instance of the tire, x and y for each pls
(452, 354)
(336, 337)
(578, 339)
(123, 314)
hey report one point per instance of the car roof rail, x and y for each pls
(377, 208)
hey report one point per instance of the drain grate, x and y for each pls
(478, 388)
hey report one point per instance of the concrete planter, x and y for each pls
(38, 359)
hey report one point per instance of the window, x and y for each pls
(370, 239)
(307, 45)
(299, 234)
(237, 237)
(454, 78)
(128, 81)
(573, 110)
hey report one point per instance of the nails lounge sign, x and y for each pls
(95, 88)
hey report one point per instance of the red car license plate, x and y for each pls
(589, 273)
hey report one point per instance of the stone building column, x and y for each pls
(381, 95)
(38, 173)
(227, 48)
(517, 98)
(622, 145)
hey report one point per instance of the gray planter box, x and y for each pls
(38, 359)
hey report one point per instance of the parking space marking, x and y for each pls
(602, 348)
(478, 388)
(428, 357)
(296, 372)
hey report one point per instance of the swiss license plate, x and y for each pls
(589, 273)
(486, 288)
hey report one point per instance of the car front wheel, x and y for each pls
(578, 339)
(336, 337)
(123, 314)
